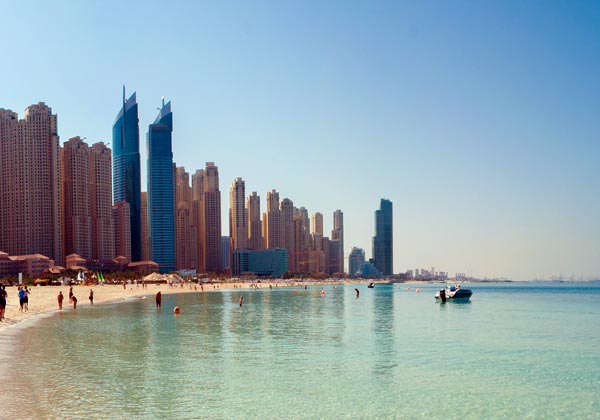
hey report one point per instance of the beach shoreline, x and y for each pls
(43, 299)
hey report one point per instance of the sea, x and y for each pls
(521, 350)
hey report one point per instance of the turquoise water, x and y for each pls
(517, 351)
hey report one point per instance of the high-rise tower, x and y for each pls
(185, 252)
(198, 218)
(103, 243)
(30, 183)
(238, 222)
(211, 213)
(272, 221)
(76, 198)
(287, 231)
(126, 168)
(161, 198)
(337, 234)
(383, 241)
(255, 239)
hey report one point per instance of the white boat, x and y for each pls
(453, 293)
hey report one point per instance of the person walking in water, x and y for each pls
(74, 300)
(357, 293)
(91, 297)
(158, 299)
(59, 299)
(241, 301)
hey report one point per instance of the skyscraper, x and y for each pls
(30, 184)
(185, 250)
(355, 260)
(103, 241)
(122, 220)
(126, 168)
(144, 223)
(317, 223)
(211, 214)
(161, 198)
(198, 218)
(238, 225)
(287, 231)
(255, 239)
(272, 221)
(337, 234)
(76, 198)
(383, 241)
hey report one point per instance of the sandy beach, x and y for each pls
(43, 299)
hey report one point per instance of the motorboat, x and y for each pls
(453, 293)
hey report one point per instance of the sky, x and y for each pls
(479, 120)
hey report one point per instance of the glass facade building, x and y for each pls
(161, 217)
(383, 242)
(126, 168)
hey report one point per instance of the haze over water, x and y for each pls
(516, 351)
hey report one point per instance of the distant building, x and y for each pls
(122, 218)
(161, 194)
(255, 239)
(185, 249)
(211, 216)
(126, 169)
(198, 218)
(286, 209)
(383, 241)
(31, 265)
(100, 166)
(272, 222)
(355, 260)
(337, 234)
(265, 262)
(144, 224)
(30, 183)
(225, 252)
(238, 222)
(368, 269)
(317, 224)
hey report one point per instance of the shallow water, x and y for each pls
(517, 351)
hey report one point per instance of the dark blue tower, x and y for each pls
(383, 241)
(161, 200)
(126, 168)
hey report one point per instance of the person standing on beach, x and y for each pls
(91, 297)
(3, 297)
(26, 299)
(60, 298)
(21, 293)
(158, 299)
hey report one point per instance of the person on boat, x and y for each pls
(443, 295)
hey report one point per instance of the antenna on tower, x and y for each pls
(124, 93)
(163, 101)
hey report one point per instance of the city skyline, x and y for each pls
(479, 122)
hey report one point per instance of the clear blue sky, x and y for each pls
(479, 120)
